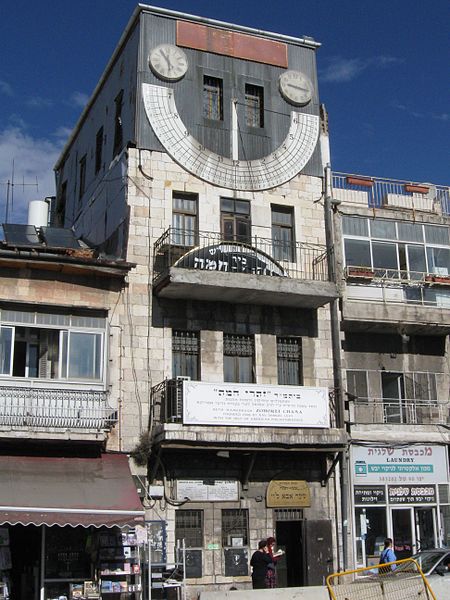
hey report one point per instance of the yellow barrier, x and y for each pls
(399, 580)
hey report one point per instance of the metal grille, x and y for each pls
(289, 359)
(444, 497)
(189, 527)
(212, 98)
(238, 345)
(288, 514)
(234, 524)
(254, 105)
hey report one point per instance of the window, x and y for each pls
(212, 98)
(98, 150)
(184, 219)
(283, 233)
(58, 349)
(189, 527)
(61, 205)
(235, 220)
(289, 361)
(82, 177)
(185, 354)
(234, 527)
(118, 129)
(254, 105)
(357, 253)
(357, 384)
(238, 358)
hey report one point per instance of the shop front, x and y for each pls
(69, 528)
(401, 493)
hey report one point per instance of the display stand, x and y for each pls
(119, 562)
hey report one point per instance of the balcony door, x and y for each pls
(393, 390)
(235, 220)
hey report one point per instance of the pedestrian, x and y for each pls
(271, 575)
(259, 562)
(387, 556)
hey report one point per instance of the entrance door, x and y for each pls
(393, 390)
(425, 528)
(403, 532)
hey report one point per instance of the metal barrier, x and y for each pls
(403, 411)
(399, 580)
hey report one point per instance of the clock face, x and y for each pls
(168, 62)
(261, 174)
(296, 88)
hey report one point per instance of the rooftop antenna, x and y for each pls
(10, 184)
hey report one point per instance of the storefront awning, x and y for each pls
(37, 490)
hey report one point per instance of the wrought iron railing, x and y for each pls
(396, 285)
(209, 251)
(167, 402)
(401, 411)
(378, 192)
(23, 407)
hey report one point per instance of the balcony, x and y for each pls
(391, 193)
(194, 413)
(51, 413)
(261, 271)
(418, 300)
(400, 412)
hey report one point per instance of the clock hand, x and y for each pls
(297, 87)
(167, 59)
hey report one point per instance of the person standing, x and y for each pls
(259, 562)
(271, 576)
(387, 556)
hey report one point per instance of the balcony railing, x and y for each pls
(167, 403)
(22, 407)
(380, 192)
(404, 411)
(209, 251)
(395, 285)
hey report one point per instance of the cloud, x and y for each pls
(39, 102)
(34, 159)
(5, 88)
(339, 69)
(444, 117)
(78, 99)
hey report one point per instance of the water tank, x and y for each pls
(38, 213)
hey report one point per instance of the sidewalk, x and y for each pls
(301, 593)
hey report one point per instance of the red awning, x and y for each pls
(37, 490)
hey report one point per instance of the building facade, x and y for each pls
(198, 159)
(394, 261)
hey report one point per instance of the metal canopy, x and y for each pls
(97, 492)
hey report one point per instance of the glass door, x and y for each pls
(403, 532)
(426, 528)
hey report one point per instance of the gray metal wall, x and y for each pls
(235, 73)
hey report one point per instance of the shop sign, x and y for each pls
(210, 490)
(375, 494)
(288, 494)
(412, 494)
(419, 464)
(252, 405)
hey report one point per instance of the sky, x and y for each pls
(383, 68)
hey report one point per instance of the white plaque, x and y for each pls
(252, 405)
(217, 490)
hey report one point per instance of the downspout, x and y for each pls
(335, 330)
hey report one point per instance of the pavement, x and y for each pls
(300, 593)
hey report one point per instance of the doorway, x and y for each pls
(290, 566)
(393, 390)
(413, 529)
(25, 544)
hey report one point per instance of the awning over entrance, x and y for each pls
(37, 490)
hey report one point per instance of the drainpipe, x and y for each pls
(335, 331)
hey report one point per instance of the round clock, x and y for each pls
(168, 62)
(263, 173)
(296, 88)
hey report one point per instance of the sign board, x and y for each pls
(399, 465)
(375, 494)
(252, 405)
(288, 494)
(214, 490)
(412, 494)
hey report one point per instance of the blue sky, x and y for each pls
(383, 75)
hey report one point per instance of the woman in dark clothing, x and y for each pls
(260, 563)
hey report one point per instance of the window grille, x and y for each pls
(289, 361)
(288, 514)
(189, 527)
(254, 105)
(212, 98)
(185, 354)
(234, 525)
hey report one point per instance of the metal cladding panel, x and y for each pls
(235, 73)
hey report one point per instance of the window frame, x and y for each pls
(82, 176)
(98, 150)
(118, 124)
(254, 105)
(285, 340)
(185, 236)
(283, 251)
(228, 531)
(186, 335)
(231, 360)
(235, 217)
(212, 96)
